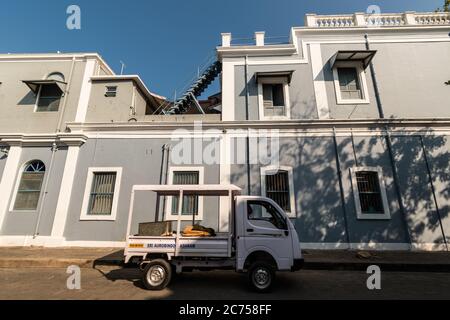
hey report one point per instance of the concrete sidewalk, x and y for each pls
(23, 257)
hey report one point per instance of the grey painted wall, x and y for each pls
(17, 101)
(143, 167)
(301, 92)
(24, 222)
(320, 217)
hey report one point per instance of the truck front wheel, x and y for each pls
(157, 274)
(261, 276)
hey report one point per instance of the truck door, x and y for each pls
(265, 228)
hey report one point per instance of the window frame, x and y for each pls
(17, 185)
(287, 104)
(362, 82)
(268, 170)
(38, 96)
(201, 175)
(370, 216)
(111, 94)
(85, 216)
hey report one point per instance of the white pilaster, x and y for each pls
(62, 207)
(228, 112)
(320, 89)
(8, 179)
(226, 39)
(85, 93)
(259, 37)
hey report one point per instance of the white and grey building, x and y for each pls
(355, 110)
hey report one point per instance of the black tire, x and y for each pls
(261, 276)
(157, 274)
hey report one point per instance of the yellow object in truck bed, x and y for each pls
(190, 231)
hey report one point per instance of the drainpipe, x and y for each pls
(166, 176)
(162, 177)
(341, 187)
(66, 93)
(47, 179)
(433, 191)
(249, 190)
(389, 145)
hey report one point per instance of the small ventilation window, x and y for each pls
(111, 91)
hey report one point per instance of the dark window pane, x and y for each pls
(369, 192)
(190, 203)
(349, 83)
(278, 95)
(49, 98)
(277, 189)
(30, 185)
(102, 193)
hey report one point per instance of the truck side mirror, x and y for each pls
(286, 232)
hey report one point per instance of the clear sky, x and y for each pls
(163, 41)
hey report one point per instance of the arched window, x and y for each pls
(30, 185)
(58, 76)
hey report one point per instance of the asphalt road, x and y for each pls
(115, 283)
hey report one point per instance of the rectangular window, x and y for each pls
(190, 202)
(102, 193)
(349, 84)
(273, 99)
(111, 91)
(370, 193)
(277, 189)
(49, 98)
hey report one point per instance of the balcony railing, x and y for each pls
(377, 20)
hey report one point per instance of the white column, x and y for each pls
(225, 178)
(259, 36)
(310, 20)
(85, 93)
(226, 39)
(65, 192)
(359, 19)
(8, 179)
(409, 17)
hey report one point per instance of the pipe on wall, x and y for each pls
(389, 145)
(45, 189)
(66, 93)
(341, 187)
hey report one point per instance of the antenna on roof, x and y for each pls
(122, 67)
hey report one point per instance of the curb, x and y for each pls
(336, 266)
(384, 266)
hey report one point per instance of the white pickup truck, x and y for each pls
(260, 240)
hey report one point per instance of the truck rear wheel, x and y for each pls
(261, 276)
(157, 274)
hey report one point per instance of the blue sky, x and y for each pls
(163, 41)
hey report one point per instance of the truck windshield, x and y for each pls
(261, 210)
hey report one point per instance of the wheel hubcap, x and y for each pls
(156, 275)
(262, 278)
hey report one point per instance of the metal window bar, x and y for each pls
(190, 202)
(277, 189)
(369, 192)
(102, 193)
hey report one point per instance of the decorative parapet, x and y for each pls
(409, 18)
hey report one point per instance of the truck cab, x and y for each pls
(264, 232)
